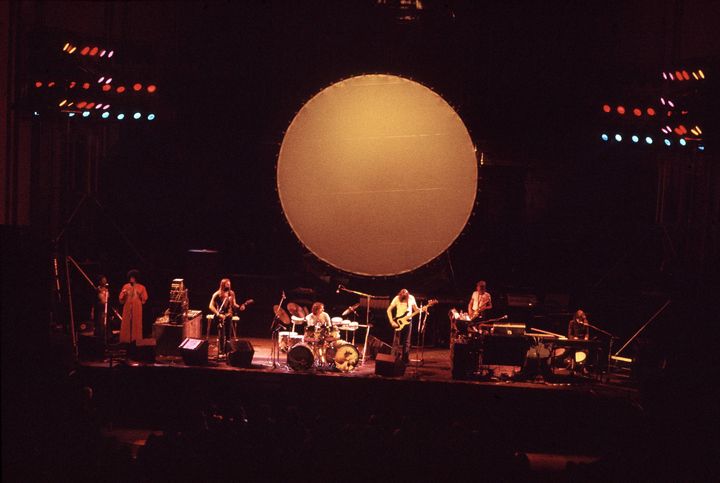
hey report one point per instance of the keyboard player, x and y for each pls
(578, 328)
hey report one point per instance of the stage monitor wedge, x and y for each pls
(194, 351)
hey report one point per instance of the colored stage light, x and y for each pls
(108, 80)
(650, 111)
(701, 74)
(106, 107)
(102, 53)
(85, 51)
(66, 46)
(695, 76)
(38, 84)
(604, 137)
(618, 137)
(670, 103)
(678, 75)
(151, 117)
(635, 138)
(51, 84)
(71, 114)
(701, 148)
(607, 108)
(682, 142)
(694, 132)
(94, 51)
(637, 112)
(697, 128)
(137, 115)
(86, 114)
(105, 115)
(90, 105)
(62, 103)
(72, 50)
(667, 142)
(648, 140)
(86, 85)
(106, 87)
(151, 88)
(137, 86)
(685, 75)
(100, 80)
(98, 106)
(621, 110)
(81, 104)
(72, 84)
(662, 101)
(110, 54)
(671, 76)
(664, 75)
(121, 116)
(120, 89)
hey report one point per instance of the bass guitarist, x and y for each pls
(480, 301)
(402, 305)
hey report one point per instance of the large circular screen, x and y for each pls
(377, 175)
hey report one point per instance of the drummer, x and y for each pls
(318, 317)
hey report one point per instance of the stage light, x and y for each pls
(618, 137)
(671, 76)
(98, 106)
(90, 105)
(72, 85)
(85, 51)
(105, 115)
(682, 142)
(38, 84)
(648, 140)
(667, 142)
(72, 50)
(697, 128)
(86, 114)
(110, 54)
(35, 113)
(108, 80)
(695, 76)
(62, 103)
(106, 87)
(71, 114)
(670, 103)
(86, 85)
(650, 111)
(607, 108)
(621, 110)
(66, 46)
(121, 116)
(51, 84)
(701, 74)
(100, 80)
(137, 115)
(701, 148)
(664, 75)
(637, 112)
(685, 75)
(151, 88)
(662, 101)
(604, 137)
(102, 53)
(94, 51)
(683, 129)
(678, 75)
(664, 131)
(106, 107)
(635, 138)
(137, 86)
(694, 132)
(81, 104)
(120, 89)
(151, 117)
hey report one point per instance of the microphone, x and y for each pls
(340, 287)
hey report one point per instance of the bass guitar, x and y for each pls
(401, 321)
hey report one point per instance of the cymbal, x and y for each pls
(281, 314)
(294, 309)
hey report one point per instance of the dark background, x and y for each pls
(559, 214)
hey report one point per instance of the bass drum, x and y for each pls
(300, 357)
(344, 355)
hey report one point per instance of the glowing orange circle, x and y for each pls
(377, 175)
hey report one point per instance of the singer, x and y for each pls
(578, 326)
(133, 296)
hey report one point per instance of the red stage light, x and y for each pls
(81, 104)
(678, 75)
(683, 129)
(38, 84)
(137, 87)
(72, 84)
(151, 88)
(620, 110)
(51, 84)
(685, 75)
(607, 108)
(637, 112)
(94, 51)
(85, 51)
(120, 89)
(106, 87)
(650, 111)
(90, 105)
(86, 85)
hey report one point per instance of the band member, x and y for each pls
(480, 301)
(224, 305)
(402, 305)
(578, 326)
(318, 317)
(101, 310)
(133, 295)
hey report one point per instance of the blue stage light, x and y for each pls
(604, 137)
(667, 142)
(682, 142)
(635, 138)
(648, 140)
(71, 114)
(618, 137)
(86, 114)
(151, 117)
(701, 148)
(121, 116)
(137, 115)
(105, 115)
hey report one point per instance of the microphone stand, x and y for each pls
(367, 314)
(275, 349)
(610, 336)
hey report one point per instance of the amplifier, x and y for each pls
(169, 336)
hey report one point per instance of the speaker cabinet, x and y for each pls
(465, 359)
(142, 350)
(389, 365)
(240, 353)
(194, 352)
(91, 348)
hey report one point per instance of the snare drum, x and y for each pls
(284, 338)
(300, 357)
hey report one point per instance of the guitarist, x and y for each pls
(223, 304)
(403, 304)
(480, 301)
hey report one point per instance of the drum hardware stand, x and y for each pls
(367, 315)
(420, 348)
(610, 336)
(275, 348)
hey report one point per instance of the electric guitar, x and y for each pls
(478, 312)
(242, 307)
(401, 321)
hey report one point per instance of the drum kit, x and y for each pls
(320, 346)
